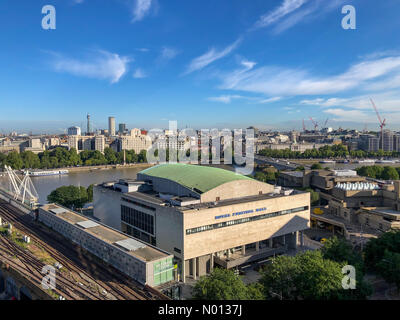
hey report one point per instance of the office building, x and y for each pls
(111, 126)
(74, 131)
(122, 128)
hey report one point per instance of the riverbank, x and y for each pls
(106, 167)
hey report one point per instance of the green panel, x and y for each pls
(170, 275)
(157, 279)
(203, 178)
(163, 277)
(156, 267)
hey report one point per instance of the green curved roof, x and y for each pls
(203, 178)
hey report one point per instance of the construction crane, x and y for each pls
(315, 124)
(382, 123)
(304, 127)
(326, 121)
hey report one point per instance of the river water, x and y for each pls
(46, 184)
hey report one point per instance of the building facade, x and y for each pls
(204, 216)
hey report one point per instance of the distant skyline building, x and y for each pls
(74, 131)
(111, 126)
(88, 124)
(121, 127)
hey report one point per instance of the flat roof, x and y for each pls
(134, 247)
(87, 224)
(202, 178)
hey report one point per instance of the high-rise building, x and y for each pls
(121, 128)
(88, 124)
(111, 126)
(74, 131)
(387, 140)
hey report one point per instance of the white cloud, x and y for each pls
(168, 53)
(226, 98)
(292, 12)
(280, 81)
(100, 65)
(141, 8)
(139, 74)
(269, 100)
(284, 9)
(210, 56)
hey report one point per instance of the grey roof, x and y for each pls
(58, 210)
(130, 244)
(87, 224)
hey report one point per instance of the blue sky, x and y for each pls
(206, 64)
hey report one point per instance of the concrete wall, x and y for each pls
(202, 243)
(237, 189)
(107, 206)
(118, 258)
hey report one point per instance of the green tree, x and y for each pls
(221, 284)
(30, 160)
(69, 196)
(306, 276)
(316, 166)
(389, 267)
(90, 193)
(110, 156)
(14, 160)
(390, 173)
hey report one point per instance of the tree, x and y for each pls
(390, 173)
(69, 196)
(30, 160)
(307, 276)
(222, 284)
(90, 193)
(389, 267)
(316, 166)
(110, 156)
(14, 160)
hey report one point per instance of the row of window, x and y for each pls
(138, 204)
(138, 219)
(243, 220)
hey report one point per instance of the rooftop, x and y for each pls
(201, 178)
(135, 247)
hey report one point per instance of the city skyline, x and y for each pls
(205, 65)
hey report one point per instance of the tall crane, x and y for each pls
(315, 124)
(304, 127)
(382, 123)
(326, 121)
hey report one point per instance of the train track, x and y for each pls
(72, 257)
(33, 268)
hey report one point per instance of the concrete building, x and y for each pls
(74, 131)
(81, 143)
(35, 145)
(135, 141)
(111, 126)
(205, 216)
(122, 128)
(142, 262)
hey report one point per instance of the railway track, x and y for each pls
(64, 286)
(72, 257)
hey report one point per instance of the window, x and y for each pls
(177, 250)
(244, 220)
(217, 198)
(138, 219)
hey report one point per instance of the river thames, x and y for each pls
(46, 184)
